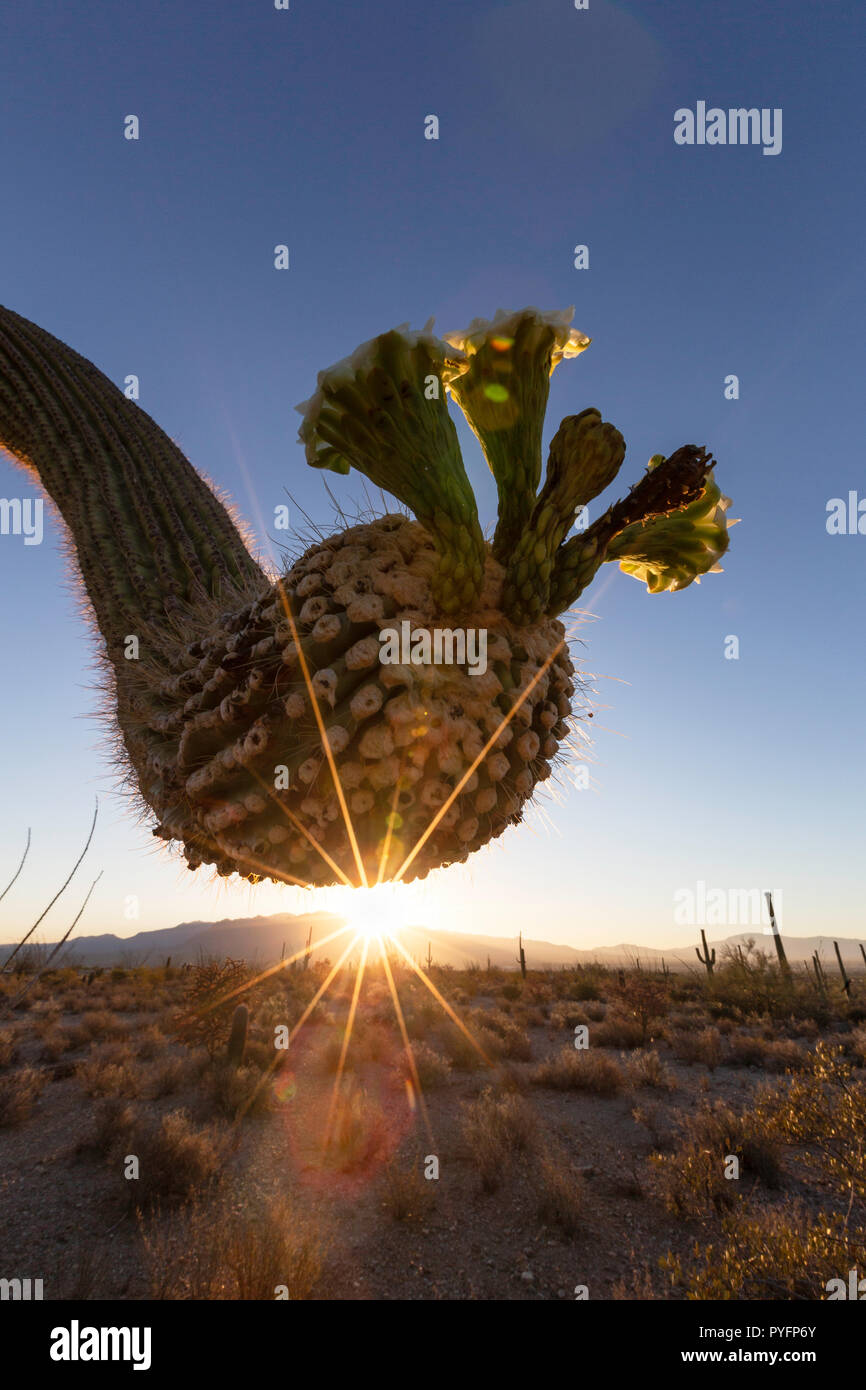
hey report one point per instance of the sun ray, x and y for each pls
(332, 864)
(271, 970)
(404, 1033)
(347, 1034)
(338, 786)
(444, 808)
(271, 1067)
(386, 850)
(440, 998)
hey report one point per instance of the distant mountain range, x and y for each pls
(262, 941)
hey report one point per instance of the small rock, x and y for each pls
(527, 1276)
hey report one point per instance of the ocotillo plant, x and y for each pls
(708, 959)
(259, 723)
(780, 949)
(846, 983)
(521, 957)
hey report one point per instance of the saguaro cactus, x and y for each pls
(709, 957)
(521, 958)
(261, 728)
(846, 983)
(780, 949)
(820, 977)
(237, 1044)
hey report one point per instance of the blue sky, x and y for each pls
(306, 127)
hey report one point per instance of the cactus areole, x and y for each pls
(261, 726)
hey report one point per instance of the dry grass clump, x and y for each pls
(239, 1092)
(775, 1055)
(692, 1180)
(703, 1046)
(212, 1251)
(8, 1047)
(100, 1024)
(580, 1070)
(176, 1158)
(114, 1119)
(409, 1196)
(646, 1068)
(559, 1192)
(358, 1132)
(495, 1129)
(19, 1091)
(618, 1029)
(432, 1068)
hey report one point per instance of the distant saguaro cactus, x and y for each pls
(846, 983)
(521, 959)
(238, 1037)
(780, 950)
(709, 957)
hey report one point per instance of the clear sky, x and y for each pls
(306, 127)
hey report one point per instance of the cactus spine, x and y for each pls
(708, 958)
(262, 730)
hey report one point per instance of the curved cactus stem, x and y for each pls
(149, 533)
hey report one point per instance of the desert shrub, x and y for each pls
(461, 1051)
(239, 1092)
(703, 1046)
(176, 1158)
(559, 1193)
(100, 1025)
(409, 1196)
(643, 1001)
(580, 1070)
(212, 994)
(618, 1029)
(114, 1118)
(19, 1091)
(56, 1043)
(495, 1128)
(432, 1068)
(149, 1042)
(778, 1054)
(500, 1036)
(165, 1077)
(691, 1180)
(358, 1131)
(511, 991)
(820, 1113)
(648, 1069)
(8, 1047)
(783, 1254)
(212, 1251)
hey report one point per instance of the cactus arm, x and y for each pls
(148, 531)
(504, 398)
(585, 455)
(672, 484)
(383, 412)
